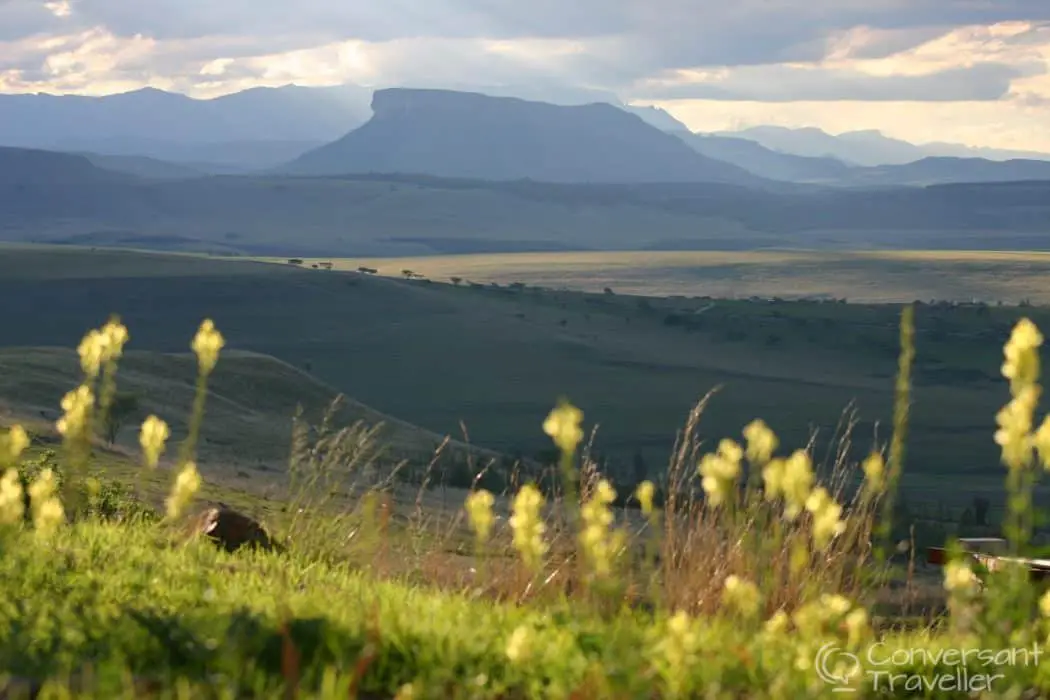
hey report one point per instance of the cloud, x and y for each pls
(649, 34)
(787, 83)
(1002, 124)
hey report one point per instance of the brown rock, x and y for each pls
(232, 530)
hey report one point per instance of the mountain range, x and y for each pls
(868, 147)
(58, 198)
(265, 129)
(475, 136)
(438, 171)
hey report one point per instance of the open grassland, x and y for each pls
(255, 405)
(875, 276)
(493, 359)
(253, 402)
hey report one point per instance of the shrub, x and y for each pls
(122, 409)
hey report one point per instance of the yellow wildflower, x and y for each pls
(761, 442)
(1044, 604)
(152, 437)
(599, 546)
(43, 487)
(518, 646)
(836, 604)
(479, 510)
(773, 478)
(814, 618)
(206, 345)
(874, 472)
(76, 406)
(675, 650)
(49, 516)
(720, 471)
(185, 488)
(1041, 440)
(1015, 426)
(959, 577)
(1021, 365)
(528, 526)
(101, 346)
(13, 444)
(778, 623)
(856, 624)
(46, 508)
(742, 595)
(826, 517)
(12, 508)
(563, 426)
(797, 482)
(644, 493)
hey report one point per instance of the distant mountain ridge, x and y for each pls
(867, 147)
(157, 134)
(61, 198)
(471, 135)
(827, 170)
(177, 128)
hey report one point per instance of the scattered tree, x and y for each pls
(408, 274)
(981, 506)
(367, 270)
(456, 280)
(640, 468)
(295, 261)
(326, 265)
(121, 409)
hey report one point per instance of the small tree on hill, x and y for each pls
(122, 408)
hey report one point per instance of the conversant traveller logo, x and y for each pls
(902, 670)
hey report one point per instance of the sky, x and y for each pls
(968, 71)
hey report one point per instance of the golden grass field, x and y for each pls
(861, 276)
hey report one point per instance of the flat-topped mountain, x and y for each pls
(470, 135)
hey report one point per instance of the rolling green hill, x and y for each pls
(496, 359)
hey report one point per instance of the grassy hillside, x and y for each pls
(440, 356)
(253, 401)
(746, 599)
